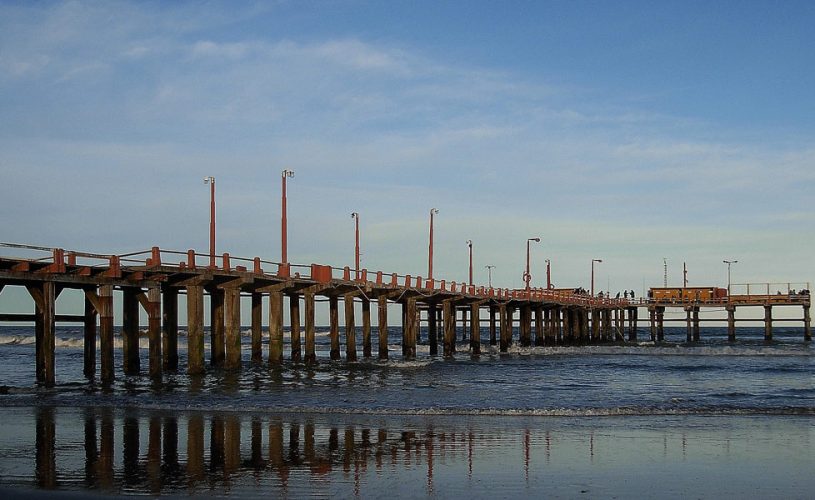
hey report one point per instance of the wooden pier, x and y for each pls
(154, 280)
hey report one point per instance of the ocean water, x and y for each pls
(607, 420)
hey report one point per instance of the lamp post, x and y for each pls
(548, 274)
(470, 247)
(211, 181)
(592, 274)
(729, 262)
(489, 274)
(433, 211)
(355, 216)
(527, 276)
(283, 222)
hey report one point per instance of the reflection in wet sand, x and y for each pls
(168, 453)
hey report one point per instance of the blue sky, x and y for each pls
(627, 131)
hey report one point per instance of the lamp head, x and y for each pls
(434, 210)
(209, 179)
(288, 173)
(354, 215)
(535, 239)
(469, 243)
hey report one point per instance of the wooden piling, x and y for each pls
(130, 331)
(660, 324)
(154, 331)
(366, 328)
(506, 327)
(689, 324)
(568, 339)
(653, 317)
(170, 328)
(257, 328)
(412, 327)
(382, 326)
(334, 327)
(106, 372)
(633, 314)
(217, 327)
(350, 329)
(432, 329)
(294, 319)
(449, 329)
(595, 325)
(232, 338)
(195, 329)
(696, 329)
(89, 343)
(493, 337)
(525, 328)
(807, 325)
(731, 323)
(539, 333)
(45, 457)
(311, 353)
(195, 448)
(768, 323)
(475, 329)
(275, 328)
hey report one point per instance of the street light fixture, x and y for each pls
(355, 216)
(592, 274)
(211, 181)
(283, 222)
(433, 211)
(729, 262)
(527, 276)
(470, 247)
(489, 274)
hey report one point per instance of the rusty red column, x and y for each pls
(355, 216)
(211, 181)
(470, 247)
(284, 258)
(433, 211)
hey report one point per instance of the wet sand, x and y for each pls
(139, 451)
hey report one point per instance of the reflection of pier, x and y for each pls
(199, 453)
(558, 317)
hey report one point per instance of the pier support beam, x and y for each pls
(807, 325)
(633, 312)
(334, 326)
(567, 326)
(89, 343)
(275, 328)
(652, 312)
(688, 324)
(154, 331)
(130, 331)
(505, 318)
(539, 333)
(257, 328)
(731, 323)
(411, 329)
(696, 329)
(311, 353)
(526, 326)
(449, 329)
(195, 329)
(350, 328)
(595, 325)
(768, 323)
(660, 324)
(382, 326)
(217, 342)
(106, 334)
(232, 339)
(294, 319)
(45, 297)
(493, 337)
(475, 329)
(366, 328)
(170, 328)
(432, 329)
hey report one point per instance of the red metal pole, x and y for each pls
(283, 221)
(527, 277)
(211, 181)
(548, 275)
(470, 245)
(430, 248)
(355, 215)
